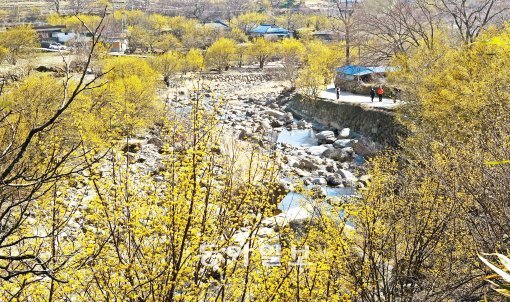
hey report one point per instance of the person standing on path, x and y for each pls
(372, 94)
(337, 93)
(380, 93)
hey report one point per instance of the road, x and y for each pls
(363, 100)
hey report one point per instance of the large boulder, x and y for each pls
(275, 113)
(301, 214)
(334, 180)
(345, 133)
(349, 150)
(331, 166)
(347, 175)
(325, 137)
(366, 147)
(342, 143)
(308, 164)
(337, 154)
(316, 150)
(288, 118)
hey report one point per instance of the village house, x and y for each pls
(328, 35)
(271, 32)
(118, 42)
(359, 79)
(57, 34)
(49, 33)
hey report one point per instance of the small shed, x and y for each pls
(219, 25)
(269, 31)
(328, 35)
(118, 42)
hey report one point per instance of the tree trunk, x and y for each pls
(347, 44)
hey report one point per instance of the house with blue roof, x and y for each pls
(357, 70)
(363, 73)
(269, 31)
(359, 79)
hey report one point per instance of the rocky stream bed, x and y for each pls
(327, 161)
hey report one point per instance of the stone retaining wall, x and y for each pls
(379, 125)
(243, 77)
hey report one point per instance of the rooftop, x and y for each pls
(357, 70)
(268, 29)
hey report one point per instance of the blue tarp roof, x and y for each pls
(356, 70)
(264, 29)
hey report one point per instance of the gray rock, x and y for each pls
(299, 215)
(285, 185)
(264, 126)
(336, 154)
(345, 133)
(274, 113)
(321, 172)
(288, 118)
(301, 124)
(347, 175)
(366, 147)
(308, 164)
(342, 143)
(316, 150)
(334, 180)
(325, 137)
(156, 141)
(319, 181)
(349, 150)
(331, 167)
(301, 173)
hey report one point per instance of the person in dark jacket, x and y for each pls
(372, 94)
(337, 92)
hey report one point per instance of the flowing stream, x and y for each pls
(306, 138)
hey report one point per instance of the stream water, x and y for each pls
(298, 138)
(306, 138)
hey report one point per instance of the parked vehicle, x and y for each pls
(57, 46)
